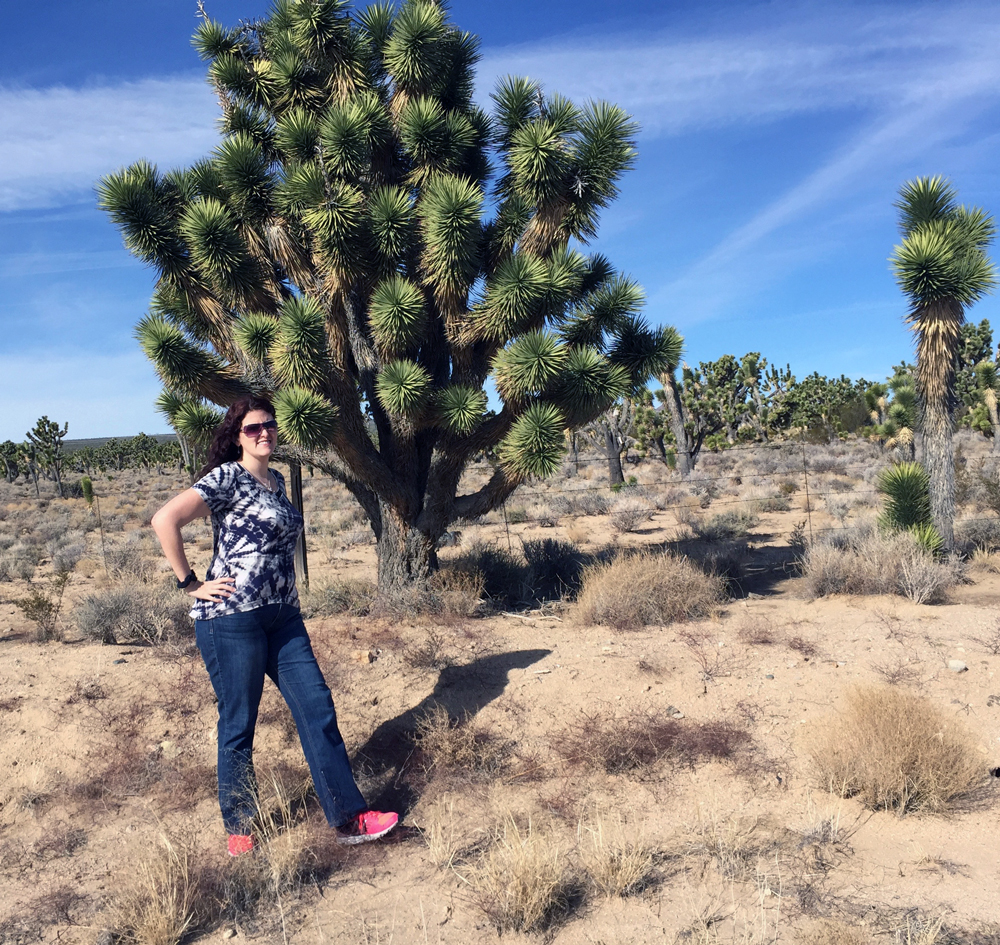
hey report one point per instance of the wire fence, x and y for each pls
(787, 479)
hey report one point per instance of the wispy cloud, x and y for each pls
(810, 60)
(58, 141)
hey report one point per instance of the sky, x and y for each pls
(759, 216)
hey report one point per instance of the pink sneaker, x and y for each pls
(368, 825)
(240, 844)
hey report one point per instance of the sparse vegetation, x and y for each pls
(896, 751)
(636, 590)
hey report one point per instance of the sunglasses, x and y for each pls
(253, 430)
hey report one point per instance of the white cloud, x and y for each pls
(813, 59)
(98, 395)
(59, 141)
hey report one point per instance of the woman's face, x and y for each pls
(262, 445)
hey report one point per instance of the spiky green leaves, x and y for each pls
(528, 366)
(197, 421)
(606, 308)
(391, 213)
(245, 175)
(449, 218)
(402, 389)
(644, 352)
(299, 354)
(513, 296)
(305, 418)
(412, 53)
(907, 495)
(535, 444)
(139, 204)
(397, 315)
(181, 364)
(943, 253)
(256, 333)
(460, 408)
(297, 135)
(212, 39)
(587, 385)
(517, 100)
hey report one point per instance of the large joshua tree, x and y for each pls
(942, 267)
(344, 250)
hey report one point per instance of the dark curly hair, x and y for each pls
(225, 446)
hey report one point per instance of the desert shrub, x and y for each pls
(977, 533)
(541, 513)
(590, 502)
(456, 592)
(113, 522)
(42, 608)
(330, 598)
(503, 574)
(517, 515)
(24, 560)
(893, 750)
(617, 745)
(554, 568)
(864, 560)
(130, 612)
(906, 488)
(66, 558)
(127, 561)
(636, 590)
(467, 745)
(731, 525)
(522, 881)
(629, 513)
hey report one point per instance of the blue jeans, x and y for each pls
(239, 649)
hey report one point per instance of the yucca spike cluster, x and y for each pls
(369, 246)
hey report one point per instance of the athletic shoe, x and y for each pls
(240, 844)
(368, 825)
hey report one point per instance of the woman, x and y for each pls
(247, 623)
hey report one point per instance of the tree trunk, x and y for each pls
(991, 406)
(615, 474)
(939, 461)
(675, 411)
(295, 497)
(406, 557)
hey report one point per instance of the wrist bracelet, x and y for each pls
(181, 585)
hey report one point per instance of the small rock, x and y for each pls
(119, 662)
(677, 715)
(229, 933)
(957, 666)
(754, 596)
(769, 676)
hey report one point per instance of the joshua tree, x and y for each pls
(942, 267)
(8, 456)
(343, 251)
(611, 434)
(987, 388)
(47, 448)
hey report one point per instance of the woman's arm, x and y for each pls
(167, 523)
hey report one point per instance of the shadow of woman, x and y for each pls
(461, 691)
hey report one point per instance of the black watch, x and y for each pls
(181, 585)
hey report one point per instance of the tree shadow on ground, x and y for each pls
(461, 691)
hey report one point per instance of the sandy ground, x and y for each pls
(105, 749)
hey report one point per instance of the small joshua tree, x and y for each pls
(344, 250)
(46, 439)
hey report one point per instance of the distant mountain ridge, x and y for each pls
(70, 446)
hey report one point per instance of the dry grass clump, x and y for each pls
(896, 751)
(640, 589)
(629, 513)
(164, 901)
(521, 882)
(133, 612)
(335, 597)
(617, 862)
(467, 745)
(641, 739)
(866, 561)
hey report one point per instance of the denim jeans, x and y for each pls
(239, 649)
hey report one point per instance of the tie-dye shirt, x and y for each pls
(254, 533)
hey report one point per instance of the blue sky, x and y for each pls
(759, 215)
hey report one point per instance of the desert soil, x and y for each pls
(107, 749)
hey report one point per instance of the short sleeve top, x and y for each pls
(254, 533)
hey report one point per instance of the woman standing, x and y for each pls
(248, 625)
